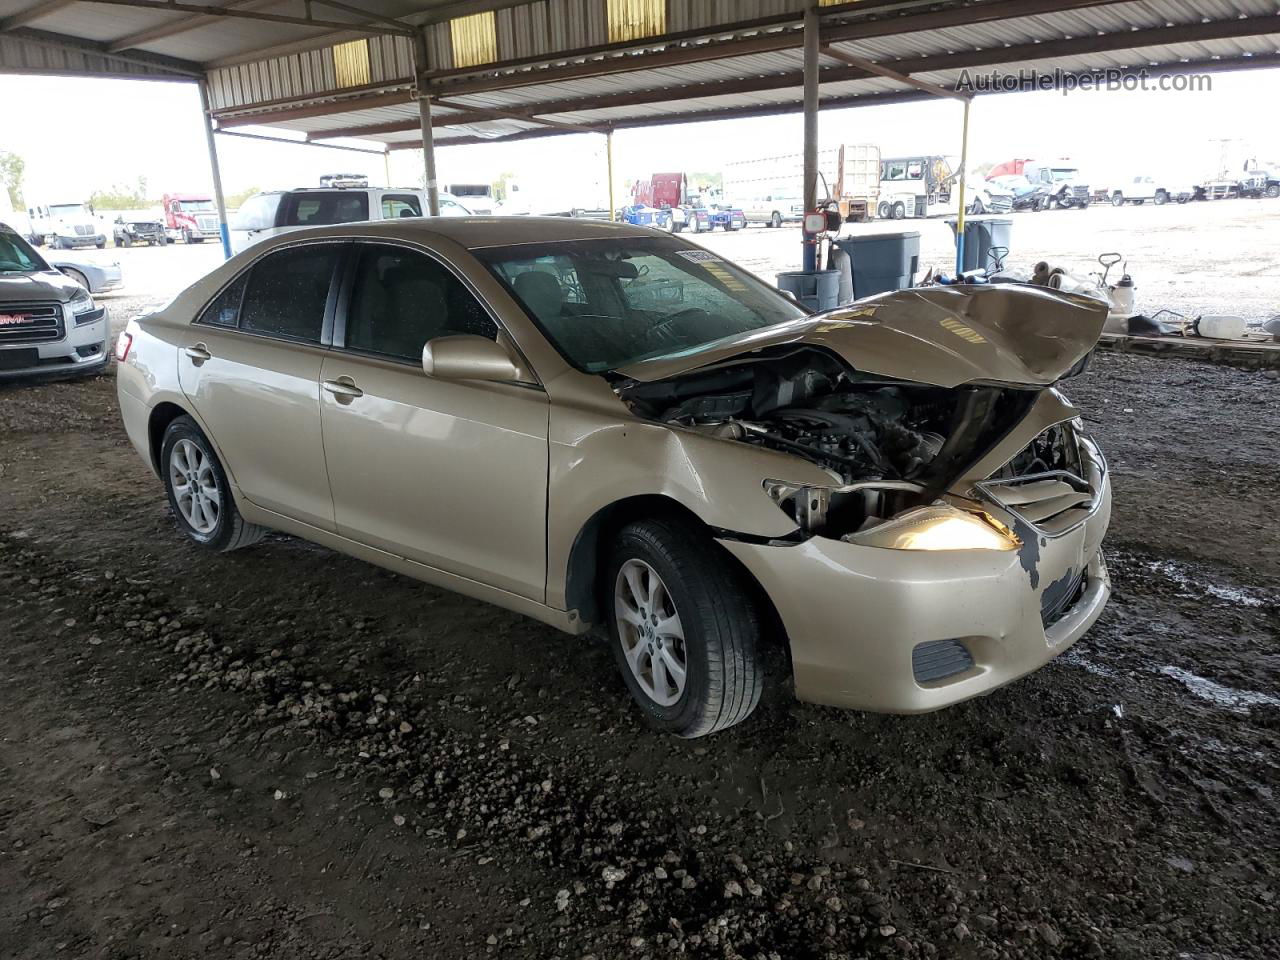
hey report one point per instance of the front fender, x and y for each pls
(597, 460)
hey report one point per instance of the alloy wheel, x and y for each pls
(650, 632)
(195, 486)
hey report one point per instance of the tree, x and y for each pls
(501, 186)
(236, 200)
(12, 168)
(121, 196)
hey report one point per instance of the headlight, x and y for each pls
(937, 527)
(81, 304)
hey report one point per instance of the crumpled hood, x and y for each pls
(1017, 334)
(46, 285)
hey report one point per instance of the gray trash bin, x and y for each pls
(818, 289)
(980, 235)
(882, 262)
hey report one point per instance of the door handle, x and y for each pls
(344, 389)
(198, 353)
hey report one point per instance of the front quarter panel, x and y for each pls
(599, 457)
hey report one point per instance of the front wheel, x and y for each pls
(883, 210)
(684, 630)
(775, 221)
(125, 240)
(1272, 191)
(1117, 199)
(899, 211)
(198, 490)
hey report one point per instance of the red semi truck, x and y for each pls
(670, 191)
(190, 217)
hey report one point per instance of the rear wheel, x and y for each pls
(695, 224)
(1273, 190)
(683, 627)
(776, 220)
(883, 210)
(199, 493)
(126, 240)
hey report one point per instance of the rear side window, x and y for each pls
(399, 205)
(225, 309)
(402, 299)
(287, 292)
(321, 208)
(257, 213)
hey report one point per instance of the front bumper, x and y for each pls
(867, 624)
(82, 351)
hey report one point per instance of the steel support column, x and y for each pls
(211, 143)
(812, 46)
(608, 159)
(964, 176)
(420, 67)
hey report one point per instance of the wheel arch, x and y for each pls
(584, 576)
(162, 414)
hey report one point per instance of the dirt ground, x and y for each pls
(285, 753)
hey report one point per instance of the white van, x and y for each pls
(66, 225)
(279, 211)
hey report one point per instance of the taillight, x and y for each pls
(123, 343)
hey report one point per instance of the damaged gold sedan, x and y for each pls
(613, 430)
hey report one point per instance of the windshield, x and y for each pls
(1063, 173)
(197, 206)
(16, 256)
(605, 304)
(68, 210)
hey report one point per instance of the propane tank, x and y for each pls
(1220, 327)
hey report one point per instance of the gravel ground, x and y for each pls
(285, 753)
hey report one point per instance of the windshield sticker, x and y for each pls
(699, 256)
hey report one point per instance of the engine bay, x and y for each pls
(888, 444)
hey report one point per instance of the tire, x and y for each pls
(1161, 198)
(775, 221)
(883, 210)
(976, 209)
(1117, 199)
(695, 224)
(228, 530)
(714, 612)
(77, 276)
(126, 240)
(186, 236)
(101, 244)
(899, 211)
(1272, 191)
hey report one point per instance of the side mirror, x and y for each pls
(468, 357)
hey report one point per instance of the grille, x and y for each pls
(939, 659)
(84, 231)
(207, 224)
(1080, 193)
(1051, 482)
(1001, 204)
(35, 323)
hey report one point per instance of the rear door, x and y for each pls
(251, 368)
(394, 206)
(452, 474)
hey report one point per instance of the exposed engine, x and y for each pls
(910, 440)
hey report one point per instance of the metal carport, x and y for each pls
(412, 74)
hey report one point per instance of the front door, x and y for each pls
(450, 474)
(251, 368)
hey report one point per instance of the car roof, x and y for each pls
(477, 232)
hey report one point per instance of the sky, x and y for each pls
(80, 135)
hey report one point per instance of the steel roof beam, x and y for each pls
(183, 25)
(166, 67)
(32, 14)
(1259, 62)
(880, 70)
(200, 9)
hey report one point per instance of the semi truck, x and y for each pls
(65, 225)
(691, 210)
(190, 217)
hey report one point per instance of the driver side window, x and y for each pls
(402, 299)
